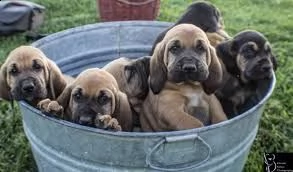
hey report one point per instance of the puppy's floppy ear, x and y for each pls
(57, 81)
(141, 67)
(159, 38)
(215, 73)
(64, 97)
(145, 63)
(227, 52)
(4, 88)
(123, 111)
(158, 70)
(234, 47)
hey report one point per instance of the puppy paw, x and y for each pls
(55, 108)
(102, 120)
(51, 107)
(114, 125)
(107, 122)
(43, 104)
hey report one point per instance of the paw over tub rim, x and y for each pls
(89, 27)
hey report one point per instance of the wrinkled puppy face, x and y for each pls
(186, 54)
(254, 56)
(27, 74)
(92, 94)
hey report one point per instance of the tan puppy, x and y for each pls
(93, 99)
(27, 74)
(184, 72)
(204, 15)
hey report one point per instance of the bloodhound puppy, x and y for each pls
(27, 74)
(205, 16)
(184, 74)
(248, 64)
(93, 99)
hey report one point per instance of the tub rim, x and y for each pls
(89, 27)
(157, 134)
(84, 28)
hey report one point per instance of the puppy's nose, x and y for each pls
(28, 87)
(265, 68)
(189, 68)
(85, 120)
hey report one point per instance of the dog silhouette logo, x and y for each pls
(270, 164)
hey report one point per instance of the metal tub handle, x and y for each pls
(183, 166)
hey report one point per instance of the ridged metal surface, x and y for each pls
(63, 146)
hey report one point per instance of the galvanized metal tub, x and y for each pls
(63, 146)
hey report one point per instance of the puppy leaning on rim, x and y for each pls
(92, 99)
(205, 16)
(248, 64)
(27, 74)
(184, 72)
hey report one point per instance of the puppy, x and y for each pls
(27, 74)
(248, 64)
(132, 78)
(93, 99)
(184, 72)
(205, 16)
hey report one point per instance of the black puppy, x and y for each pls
(205, 16)
(248, 64)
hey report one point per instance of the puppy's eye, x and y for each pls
(103, 99)
(36, 66)
(77, 95)
(13, 70)
(174, 49)
(249, 53)
(199, 47)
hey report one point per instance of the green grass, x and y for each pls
(271, 17)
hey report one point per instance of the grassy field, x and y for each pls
(274, 18)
